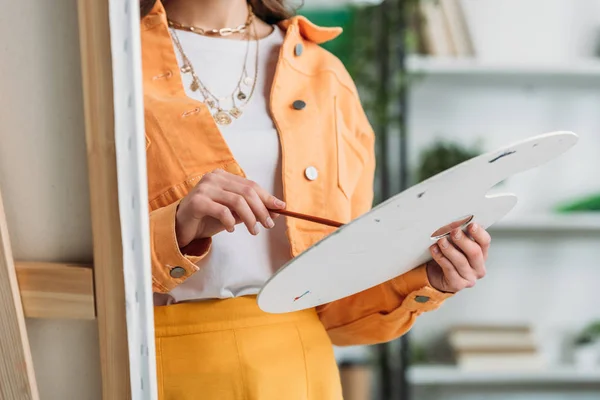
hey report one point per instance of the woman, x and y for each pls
(245, 115)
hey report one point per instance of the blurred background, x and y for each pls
(443, 81)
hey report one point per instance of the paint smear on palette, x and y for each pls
(302, 295)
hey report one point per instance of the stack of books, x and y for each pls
(511, 348)
(442, 29)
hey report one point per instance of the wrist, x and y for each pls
(182, 239)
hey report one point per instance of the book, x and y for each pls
(476, 338)
(495, 347)
(500, 361)
(435, 31)
(457, 27)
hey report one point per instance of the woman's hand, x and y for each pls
(459, 262)
(220, 201)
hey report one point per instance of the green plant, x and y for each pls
(441, 155)
(590, 334)
(589, 203)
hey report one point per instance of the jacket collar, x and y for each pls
(308, 30)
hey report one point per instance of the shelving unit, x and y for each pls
(451, 375)
(467, 99)
(568, 223)
(472, 66)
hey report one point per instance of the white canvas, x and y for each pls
(395, 236)
(133, 195)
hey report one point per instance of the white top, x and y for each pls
(239, 263)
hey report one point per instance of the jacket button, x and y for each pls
(177, 272)
(421, 299)
(311, 173)
(298, 49)
(298, 105)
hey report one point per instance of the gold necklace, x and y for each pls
(221, 116)
(213, 32)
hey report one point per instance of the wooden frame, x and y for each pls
(52, 290)
(111, 66)
(108, 254)
(16, 369)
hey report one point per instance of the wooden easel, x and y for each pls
(101, 292)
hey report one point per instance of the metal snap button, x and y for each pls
(298, 105)
(177, 272)
(311, 173)
(421, 299)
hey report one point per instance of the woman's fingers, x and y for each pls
(471, 250)
(239, 207)
(461, 258)
(206, 206)
(246, 199)
(267, 199)
(481, 237)
(452, 281)
(251, 198)
(226, 200)
(458, 260)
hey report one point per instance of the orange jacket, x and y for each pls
(330, 134)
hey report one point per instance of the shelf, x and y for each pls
(472, 66)
(576, 222)
(451, 375)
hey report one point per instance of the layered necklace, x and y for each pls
(239, 97)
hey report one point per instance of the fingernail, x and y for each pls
(474, 228)
(444, 243)
(270, 223)
(458, 234)
(279, 203)
(256, 229)
(436, 249)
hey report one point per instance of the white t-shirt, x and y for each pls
(239, 263)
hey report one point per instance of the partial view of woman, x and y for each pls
(246, 113)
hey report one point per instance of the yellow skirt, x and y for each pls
(231, 350)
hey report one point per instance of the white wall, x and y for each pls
(65, 359)
(43, 176)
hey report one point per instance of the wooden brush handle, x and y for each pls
(318, 220)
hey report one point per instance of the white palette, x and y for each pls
(395, 236)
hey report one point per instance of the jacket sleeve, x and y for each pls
(386, 311)
(170, 264)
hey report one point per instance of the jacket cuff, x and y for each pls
(170, 267)
(419, 295)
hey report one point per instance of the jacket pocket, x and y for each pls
(351, 155)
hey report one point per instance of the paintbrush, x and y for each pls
(318, 220)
